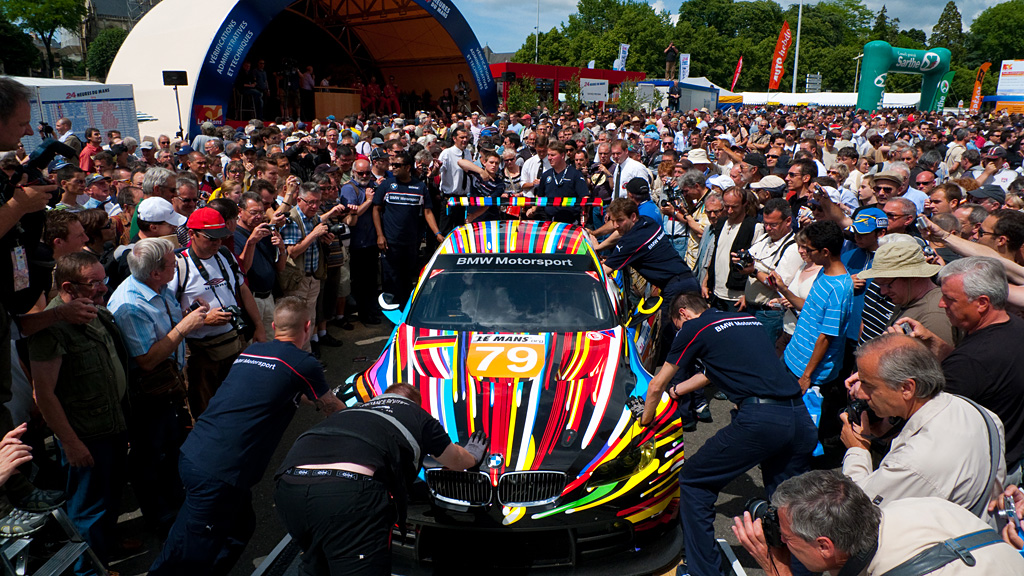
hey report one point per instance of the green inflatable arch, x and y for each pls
(880, 58)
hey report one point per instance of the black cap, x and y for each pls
(989, 191)
(378, 154)
(639, 187)
(995, 152)
(758, 161)
(118, 149)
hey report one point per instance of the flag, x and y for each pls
(591, 64)
(684, 67)
(976, 98)
(779, 59)
(736, 75)
(940, 94)
(623, 54)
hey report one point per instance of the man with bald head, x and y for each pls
(232, 442)
(363, 251)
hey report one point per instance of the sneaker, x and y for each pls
(328, 340)
(719, 395)
(689, 425)
(704, 413)
(40, 500)
(22, 523)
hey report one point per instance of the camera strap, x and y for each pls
(856, 564)
(938, 555)
(978, 508)
(206, 275)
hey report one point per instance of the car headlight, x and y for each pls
(632, 459)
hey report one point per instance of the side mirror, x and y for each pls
(390, 308)
(643, 311)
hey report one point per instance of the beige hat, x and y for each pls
(900, 260)
(698, 156)
(891, 176)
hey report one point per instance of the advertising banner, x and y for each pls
(101, 106)
(593, 90)
(736, 75)
(976, 97)
(940, 94)
(779, 59)
(1011, 78)
(684, 67)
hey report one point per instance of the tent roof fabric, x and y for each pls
(828, 99)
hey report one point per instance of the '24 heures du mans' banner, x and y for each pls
(779, 59)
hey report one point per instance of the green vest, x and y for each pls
(91, 384)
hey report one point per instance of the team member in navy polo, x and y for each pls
(397, 205)
(770, 428)
(561, 181)
(232, 443)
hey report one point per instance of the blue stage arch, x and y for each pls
(249, 18)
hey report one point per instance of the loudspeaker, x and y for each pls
(175, 78)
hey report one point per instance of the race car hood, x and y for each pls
(549, 401)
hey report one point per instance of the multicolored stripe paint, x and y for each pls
(570, 417)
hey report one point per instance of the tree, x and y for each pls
(949, 32)
(19, 55)
(103, 49)
(45, 17)
(885, 28)
(522, 95)
(995, 34)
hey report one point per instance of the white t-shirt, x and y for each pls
(218, 292)
(768, 253)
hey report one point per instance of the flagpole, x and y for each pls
(796, 55)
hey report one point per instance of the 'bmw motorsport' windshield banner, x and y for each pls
(779, 59)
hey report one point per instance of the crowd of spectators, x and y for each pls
(147, 268)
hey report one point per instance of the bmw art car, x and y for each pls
(515, 329)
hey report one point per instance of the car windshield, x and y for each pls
(481, 298)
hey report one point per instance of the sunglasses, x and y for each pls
(883, 189)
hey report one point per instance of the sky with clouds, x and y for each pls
(504, 25)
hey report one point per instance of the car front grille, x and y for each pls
(530, 488)
(460, 487)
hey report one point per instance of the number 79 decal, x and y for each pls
(505, 356)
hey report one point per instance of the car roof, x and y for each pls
(517, 237)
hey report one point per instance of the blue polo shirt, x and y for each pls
(403, 204)
(736, 355)
(235, 437)
(648, 251)
(827, 310)
(363, 233)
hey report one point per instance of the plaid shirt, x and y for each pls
(292, 235)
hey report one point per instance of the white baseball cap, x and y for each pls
(159, 210)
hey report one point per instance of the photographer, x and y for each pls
(261, 254)
(206, 273)
(770, 428)
(306, 235)
(899, 377)
(777, 252)
(827, 523)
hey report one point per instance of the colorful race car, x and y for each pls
(515, 329)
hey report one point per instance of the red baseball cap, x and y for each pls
(209, 222)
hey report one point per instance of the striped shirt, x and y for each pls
(142, 316)
(827, 310)
(877, 314)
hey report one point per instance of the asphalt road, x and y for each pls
(361, 346)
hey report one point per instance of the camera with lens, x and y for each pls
(237, 320)
(857, 407)
(341, 231)
(769, 516)
(745, 259)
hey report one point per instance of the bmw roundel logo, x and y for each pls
(394, 186)
(548, 179)
(495, 461)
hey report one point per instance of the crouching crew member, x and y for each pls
(770, 428)
(345, 481)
